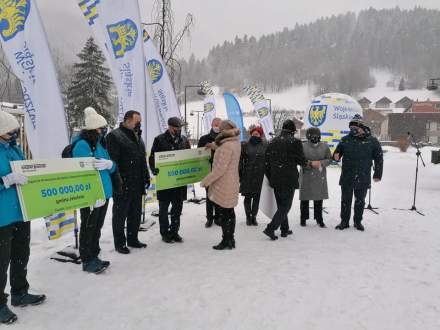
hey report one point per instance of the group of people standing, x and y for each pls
(279, 161)
(120, 158)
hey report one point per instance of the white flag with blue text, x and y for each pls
(116, 26)
(164, 97)
(25, 45)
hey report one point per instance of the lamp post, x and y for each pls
(198, 121)
(199, 92)
(270, 104)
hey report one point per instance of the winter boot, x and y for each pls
(359, 226)
(209, 223)
(177, 238)
(105, 263)
(286, 233)
(26, 299)
(248, 220)
(303, 222)
(321, 223)
(6, 315)
(270, 234)
(254, 221)
(224, 244)
(343, 225)
(94, 266)
(137, 245)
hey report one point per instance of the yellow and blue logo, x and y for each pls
(123, 36)
(155, 70)
(208, 107)
(90, 10)
(13, 16)
(145, 36)
(317, 115)
(263, 112)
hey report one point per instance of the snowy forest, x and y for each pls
(335, 53)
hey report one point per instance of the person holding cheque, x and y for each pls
(223, 182)
(15, 234)
(91, 143)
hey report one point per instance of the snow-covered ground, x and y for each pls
(387, 277)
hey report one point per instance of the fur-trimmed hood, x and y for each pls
(227, 135)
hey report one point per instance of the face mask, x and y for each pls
(354, 131)
(216, 129)
(13, 136)
(104, 131)
(255, 139)
(315, 139)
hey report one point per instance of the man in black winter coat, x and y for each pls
(358, 151)
(204, 141)
(127, 150)
(283, 156)
(172, 139)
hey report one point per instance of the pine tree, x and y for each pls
(90, 86)
(402, 84)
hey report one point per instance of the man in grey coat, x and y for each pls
(313, 179)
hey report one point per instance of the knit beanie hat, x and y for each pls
(289, 125)
(8, 123)
(93, 120)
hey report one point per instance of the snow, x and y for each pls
(381, 90)
(387, 277)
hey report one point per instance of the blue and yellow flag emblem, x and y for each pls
(123, 36)
(263, 112)
(90, 10)
(208, 107)
(13, 16)
(155, 70)
(317, 115)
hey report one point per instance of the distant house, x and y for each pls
(424, 126)
(384, 103)
(365, 103)
(404, 103)
(425, 107)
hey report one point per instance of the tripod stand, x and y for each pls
(419, 158)
(369, 207)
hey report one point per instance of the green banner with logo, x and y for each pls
(182, 167)
(57, 186)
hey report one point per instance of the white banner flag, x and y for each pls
(262, 109)
(209, 110)
(164, 98)
(116, 27)
(25, 45)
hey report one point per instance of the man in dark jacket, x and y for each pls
(172, 139)
(204, 141)
(283, 156)
(127, 150)
(358, 151)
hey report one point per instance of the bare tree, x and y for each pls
(168, 40)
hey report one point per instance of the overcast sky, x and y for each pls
(215, 21)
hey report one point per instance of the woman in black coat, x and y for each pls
(251, 171)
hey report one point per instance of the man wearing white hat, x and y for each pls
(91, 143)
(14, 233)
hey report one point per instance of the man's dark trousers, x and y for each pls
(126, 207)
(284, 198)
(359, 192)
(167, 229)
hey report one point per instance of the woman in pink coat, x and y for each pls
(223, 182)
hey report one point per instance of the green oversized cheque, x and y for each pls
(182, 167)
(57, 186)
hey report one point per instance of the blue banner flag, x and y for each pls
(234, 113)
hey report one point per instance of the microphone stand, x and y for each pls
(369, 207)
(419, 158)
